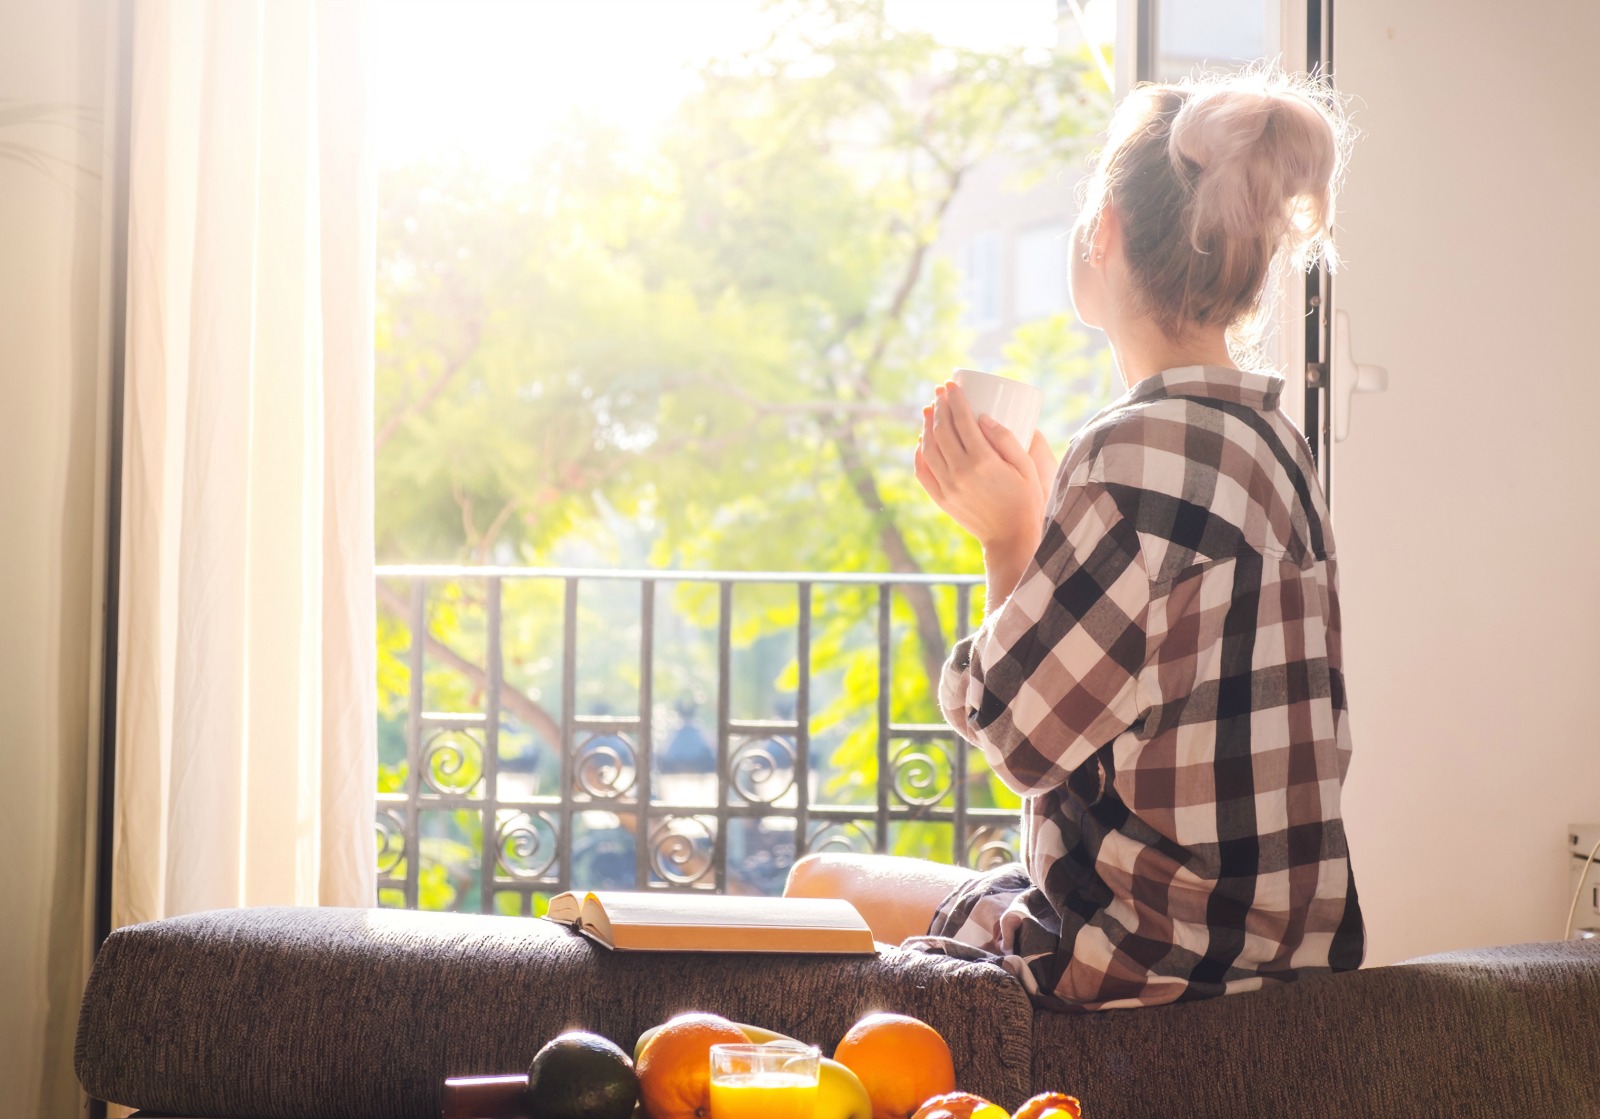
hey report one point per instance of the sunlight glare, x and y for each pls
(491, 81)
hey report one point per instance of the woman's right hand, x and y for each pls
(1044, 463)
(975, 470)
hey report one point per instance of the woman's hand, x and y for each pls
(1044, 465)
(975, 470)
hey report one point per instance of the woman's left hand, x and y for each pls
(975, 470)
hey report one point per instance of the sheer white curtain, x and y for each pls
(246, 760)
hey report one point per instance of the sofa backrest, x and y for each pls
(1484, 1034)
(322, 1012)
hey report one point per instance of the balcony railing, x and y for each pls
(528, 782)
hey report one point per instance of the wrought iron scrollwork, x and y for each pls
(762, 769)
(605, 766)
(680, 849)
(526, 845)
(843, 836)
(731, 805)
(922, 774)
(391, 837)
(992, 846)
(452, 764)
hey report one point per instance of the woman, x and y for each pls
(1159, 674)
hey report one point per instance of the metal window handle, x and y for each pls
(1350, 378)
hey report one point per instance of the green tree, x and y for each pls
(724, 341)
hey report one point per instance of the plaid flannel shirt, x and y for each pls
(1164, 688)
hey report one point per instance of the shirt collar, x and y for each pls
(1216, 382)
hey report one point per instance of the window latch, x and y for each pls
(1349, 377)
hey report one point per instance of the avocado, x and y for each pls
(581, 1075)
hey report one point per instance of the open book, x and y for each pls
(677, 922)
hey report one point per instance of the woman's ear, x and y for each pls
(1107, 236)
(1086, 276)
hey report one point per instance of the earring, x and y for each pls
(1086, 258)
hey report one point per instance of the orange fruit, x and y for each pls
(902, 1062)
(674, 1067)
(959, 1105)
(1050, 1105)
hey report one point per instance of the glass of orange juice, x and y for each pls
(777, 1080)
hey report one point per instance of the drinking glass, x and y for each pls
(777, 1080)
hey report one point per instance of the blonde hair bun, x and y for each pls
(1265, 155)
(1219, 183)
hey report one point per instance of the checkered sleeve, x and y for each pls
(1051, 675)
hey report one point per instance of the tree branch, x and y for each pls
(908, 283)
(433, 390)
(511, 700)
(930, 634)
(485, 543)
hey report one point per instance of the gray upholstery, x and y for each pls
(1490, 1033)
(361, 1014)
(336, 1013)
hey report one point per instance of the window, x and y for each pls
(1041, 284)
(1192, 35)
(980, 281)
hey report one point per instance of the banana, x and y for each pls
(840, 1094)
(761, 1036)
(638, 1046)
(756, 1034)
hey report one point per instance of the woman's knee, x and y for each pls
(814, 876)
(898, 896)
(855, 876)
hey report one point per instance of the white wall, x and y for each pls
(51, 388)
(1467, 499)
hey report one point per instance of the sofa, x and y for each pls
(284, 1013)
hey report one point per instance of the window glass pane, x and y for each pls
(1041, 271)
(1194, 35)
(980, 280)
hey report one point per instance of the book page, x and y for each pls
(566, 907)
(664, 908)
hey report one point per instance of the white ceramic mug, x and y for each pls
(1013, 404)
